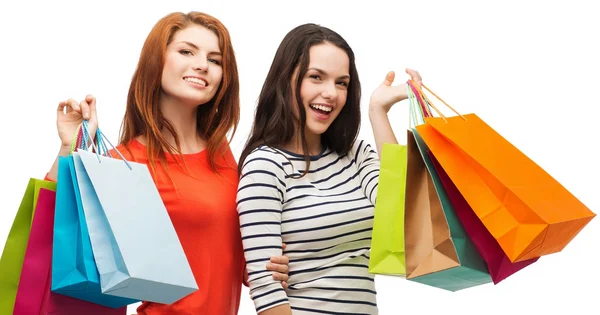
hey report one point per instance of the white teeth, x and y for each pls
(195, 80)
(321, 107)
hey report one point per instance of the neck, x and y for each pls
(313, 142)
(184, 120)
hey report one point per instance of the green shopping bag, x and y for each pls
(387, 243)
(13, 254)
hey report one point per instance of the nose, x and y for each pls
(329, 91)
(201, 63)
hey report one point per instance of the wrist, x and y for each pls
(376, 112)
(64, 150)
(404, 94)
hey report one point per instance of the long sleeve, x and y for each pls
(259, 206)
(47, 177)
(367, 162)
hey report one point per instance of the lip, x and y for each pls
(325, 104)
(198, 86)
(319, 115)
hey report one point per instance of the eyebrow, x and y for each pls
(198, 48)
(323, 72)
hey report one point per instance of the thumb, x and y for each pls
(389, 78)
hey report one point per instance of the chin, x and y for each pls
(318, 130)
(195, 100)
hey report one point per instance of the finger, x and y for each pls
(284, 285)
(389, 78)
(415, 76)
(85, 109)
(278, 268)
(283, 246)
(69, 104)
(92, 102)
(73, 106)
(61, 106)
(282, 260)
(280, 276)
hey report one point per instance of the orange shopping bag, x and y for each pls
(525, 209)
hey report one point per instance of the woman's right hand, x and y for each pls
(68, 121)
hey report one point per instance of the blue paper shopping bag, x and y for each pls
(136, 249)
(74, 271)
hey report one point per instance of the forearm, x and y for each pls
(382, 129)
(283, 309)
(53, 173)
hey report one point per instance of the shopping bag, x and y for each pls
(135, 246)
(13, 254)
(499, 266)
(438, 251)
(58, 304)
(525, 209)
(36, 262)
(74, 271)
(34, 286)
(387, 243)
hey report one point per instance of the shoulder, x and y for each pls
(266, 158)
(225, 158)
(132, 151)
(361, 148)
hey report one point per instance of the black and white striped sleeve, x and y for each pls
(367, 162)
(259, 206)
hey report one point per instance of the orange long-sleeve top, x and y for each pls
(202, 207)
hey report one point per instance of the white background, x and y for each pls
(530, 69)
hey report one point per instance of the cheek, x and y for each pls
(217, 77)
(165, 80)
(342, 97)
(306, 93)
(170, 65)
(169, 75)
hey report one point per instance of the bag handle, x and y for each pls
(82, 138)
(426, 103)
(101, 138)
(417, 111)
(80, 141)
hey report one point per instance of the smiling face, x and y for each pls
(324, 87)
(192, 71)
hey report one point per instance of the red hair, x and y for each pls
(214, 119)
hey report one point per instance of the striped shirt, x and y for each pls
(325, 218)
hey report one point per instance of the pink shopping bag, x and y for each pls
(34, 295)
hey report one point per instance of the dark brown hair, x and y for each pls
(275, 123)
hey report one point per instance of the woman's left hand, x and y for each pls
(279, 266)
(386, 95)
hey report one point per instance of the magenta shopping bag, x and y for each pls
(36, 264)
(33, 294)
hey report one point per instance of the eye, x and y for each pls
(315, 76)
(186, 52)
(343, 83)
(215, 61)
